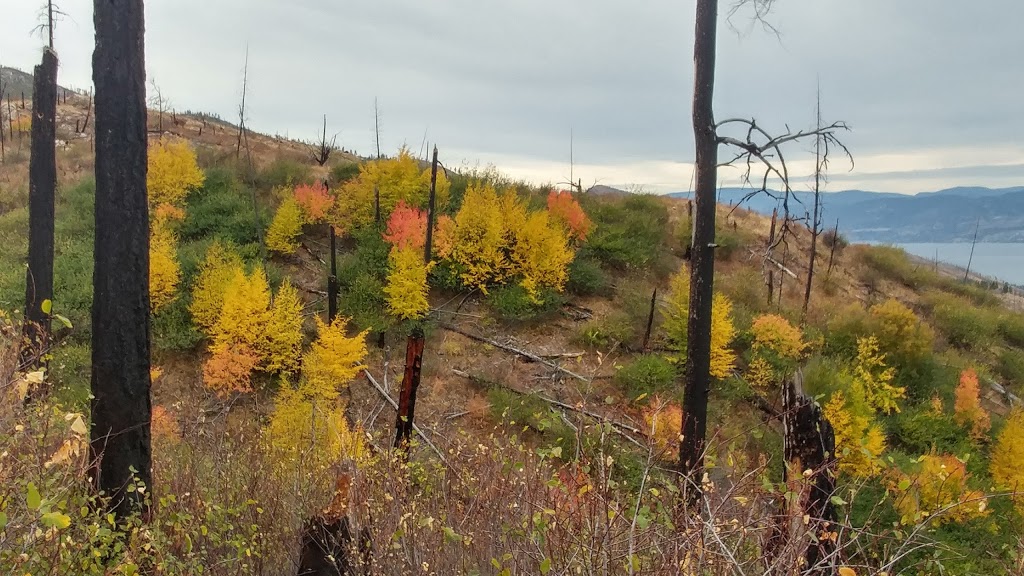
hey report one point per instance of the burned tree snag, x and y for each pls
(702, 263)
(323, 149)
(650, 321)
(430, 208)
(327, 548)
(832, 251)
(120, 439)
(332, 280)
(410, 384)
(770, 281)
(42, 187)
(376, 206)
(809, 473)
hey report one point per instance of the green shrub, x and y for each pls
(512, 303)
(283, 172)
(222, 209)
(646, 376)
(919, 429)
(71, 369)
(1011, 328)
(1011, 368)
(629, 231)
(173, 329)
(965, 326)
(616, 328)
(530, 411)
(343, 172)
(586, 278)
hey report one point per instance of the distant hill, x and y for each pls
(948, 215)
(16, 83)
(601, 190)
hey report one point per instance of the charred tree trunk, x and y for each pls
(771, 272)
(120, 442)
(816, 216)
(376, 206)
(810, 474)
(430, 209)
(41, 190)
(332, 281)
(327, 548)
(410, 384)
(832, 251)
(650, 322)
(702, 264)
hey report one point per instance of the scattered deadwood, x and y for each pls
(779, 265)
(563, 355)
(507, 348)
(394, 405)
(578, 409)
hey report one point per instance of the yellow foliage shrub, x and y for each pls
(219, 267)
(406, 289)
(664, 422)
(541, 254)
(334, 359)
(164, 270)
(872, 374)
(1006, 463)
(172, 172)
(478, 239)
(312, 427)
(398, 178)
(677, 311)
(285, 229)
(939, 491)
(163, 426)
(777, 348)
(859, 441)
(900, 332)
(283, 333)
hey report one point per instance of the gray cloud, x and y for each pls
(509, 79)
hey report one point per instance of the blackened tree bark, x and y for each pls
(702, 262)
(41, 189)
(430, 209)
(120, 442)
(332, 280)
(410, 385)
(816, 216)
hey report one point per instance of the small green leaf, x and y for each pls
(904, 484)
(47, 306)
(545, 566)
(63, 320)
(55, 520)
(32, 498)
(3, 520)
(838, 501)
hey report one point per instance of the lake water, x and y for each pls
(999, 260)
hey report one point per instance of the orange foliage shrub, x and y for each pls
(664, 423)
(967, 407)
(315, 201)
(938, 490)
(444, 236)
(229, 369)
(163, 425)
(567, 211)
(407, 227)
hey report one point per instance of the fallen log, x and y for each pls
(507, 348)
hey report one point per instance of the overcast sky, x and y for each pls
(932, 89)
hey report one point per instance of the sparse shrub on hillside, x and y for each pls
(1011, 328)
(513, 303)
(615, 328)
(173, 327)
(586, 278)
(965, 326)
(361, 276)
(894, 264)
(172, 172)
(647, 376)
(284, 232)
(282, 172)
(926, 427)
(872, 374)
(860, 441)
(830, 238)
(629, 232)
(220, 266)
(664, 422)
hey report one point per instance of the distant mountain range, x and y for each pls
(948, 215)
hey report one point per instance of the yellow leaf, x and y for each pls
(844, 571)
(78, 426)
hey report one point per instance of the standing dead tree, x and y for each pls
(323, 149)
(157, 100)
(428, 246)
(120, 438)
(820, 163)
(42, 188)
(756, 148)
(49, 14)
(410, 385)
(3, 138)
